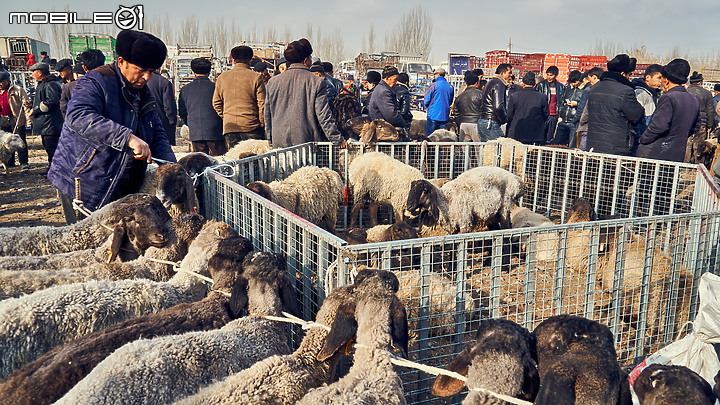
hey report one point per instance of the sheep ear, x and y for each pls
(531, 384)
(118, 237)
(367, 135)
(288, 298)
(238, 298)
(399, 326)
(191, 202)
(556, 389)
(445, 386)
(342, 331)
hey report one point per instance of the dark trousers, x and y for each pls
(232, 138)
(7, 124)
(550, 126)
(212, 148)
(565, 134)
(71, 216)
(432, 125)
(50, 143)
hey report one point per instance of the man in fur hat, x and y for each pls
(111, 129)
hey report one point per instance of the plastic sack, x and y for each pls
(695, 351)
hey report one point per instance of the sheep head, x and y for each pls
(356, 236)
(424, 202)
(175, 187)
(703, 152)
(270, 289)
(12, 142)
(661, 384)
(225, 267)
(140, 221)
(401, 231)
(581, 210)
(262, 189)
(196, 162)
(563, 333)
(385, 131)
(357, 124)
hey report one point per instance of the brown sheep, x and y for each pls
(378, 131)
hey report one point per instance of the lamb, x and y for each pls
(442, 135)
(33, 324)
(168, 368)
(385, 233)
(9, 144)
(175, 189)
(61, 368)
(196, 162)
(511, 156)
(138, 217)
(379, 322)
(669, 385)
(502, 360)
(378, 131)
(577, 362)
(704, 152)
(521, 217)
(481, 196)
(345, 108)
(378, 177)
(27, 274)
(243, 148)
(286, 379)
(354, 126)
(311, 192)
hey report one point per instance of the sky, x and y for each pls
(460, 26)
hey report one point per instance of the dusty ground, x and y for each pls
(26, 196)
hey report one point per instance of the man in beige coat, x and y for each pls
(239, 99)
(14, 114)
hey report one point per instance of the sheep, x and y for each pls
(286, 379)
(521, 217)
(9, 144)
(703, 151)
(379, 322)
(61, 368)
(502, 359)
(168, 368)
(33, 324)
(138, 217)
(511, 156)
(480, 196)
(175, 189)
(354, 126)
(442, 135)
(243, 148)
(196, 162)
(576, 362)
(378, 131)
(27, 274)
(669, 385)
(378, 177)
(417, 129)
(311, 192)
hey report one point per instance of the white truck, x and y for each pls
(178, 64)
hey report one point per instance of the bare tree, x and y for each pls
(371, 39)
(190, 31)
(413, 34)
(287, 34)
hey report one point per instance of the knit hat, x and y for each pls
(4, 75)
(620, 64)
(676, 71)
(389, 71)
(298, 51)
(260, 66)
(696, 77)
(529, 79)
(141, 48)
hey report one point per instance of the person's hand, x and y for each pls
(27, 103)
(560, 120)
(140, 148)
(343, 144)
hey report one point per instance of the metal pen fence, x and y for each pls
(637, 275)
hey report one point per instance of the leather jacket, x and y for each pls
(404, 101)
(467, 106)
(493, 101)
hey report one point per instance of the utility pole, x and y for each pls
(509, 49)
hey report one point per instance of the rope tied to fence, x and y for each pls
(215, 168)
(80, 207)
(289, 318)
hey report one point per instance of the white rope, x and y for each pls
(290, 318)
(78, 205)
(201, 277)
(213, 169)
(174, 264)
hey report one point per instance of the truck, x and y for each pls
(268, 52)
(178, 64)
(79, 43)
(14, 51)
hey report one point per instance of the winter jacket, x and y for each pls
(16, 97)
(467, 106)
(196, 110)
(92, 155)
(566, 112)
(65, 95)
(707, 107)
(581, 104)
(46, 116)
(675, 119)
(239, 99)
(544, 88)
(646, 95)
(613, 110)
(493, 100)
(716, 99)
(164, 94)
(297, 110)
(527, 111)
(384, 106)
(438, 98)
(404, 101)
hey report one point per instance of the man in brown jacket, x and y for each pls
(14, 114)
(239, 99)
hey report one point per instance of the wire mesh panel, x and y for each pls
(707, 193)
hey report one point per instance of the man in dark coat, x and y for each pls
(675, 118)
(403, 98)
(527, 112)
(493, 112)
(197, 112)
(89, 60)
(164, 94)
(613, 109)
(707, 112)
(466, 109)
(111, 129)
(47, 120)
(553, 91)
(383, 105)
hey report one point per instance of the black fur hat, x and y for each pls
(298, 51)
(621, 64)
(677, 71)
(141, 48)
(529, 79)
(696, 77)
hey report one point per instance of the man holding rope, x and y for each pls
(111, 129)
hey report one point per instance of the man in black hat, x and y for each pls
(707, 111)
(262, 69)
(111, 129)
(64, 68)
(676, 117)
(613, 109)
(45, 58)
(164, 94)
(527, 112)
(318, 70)
(196, 110)
(88, 60)
(46, 118)
(383, 104)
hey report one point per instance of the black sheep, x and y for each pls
(671, 385)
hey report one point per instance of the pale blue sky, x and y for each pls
(548, 26)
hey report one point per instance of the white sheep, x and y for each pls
(511, 156)
(381, 323)
(139, 217)
(442, 135)
(521, 217)
(314, 193)
(168, 368)
(286, 379)
(247, 148)
(378, 177)
(9, 144)
(480, 197)
(33, 324)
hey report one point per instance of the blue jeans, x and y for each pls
(432, 125)
(565, 134)
(489, 130)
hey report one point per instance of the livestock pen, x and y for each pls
(635, 269)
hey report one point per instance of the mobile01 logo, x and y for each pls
(124, 18)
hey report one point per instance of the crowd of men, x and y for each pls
(101, 124)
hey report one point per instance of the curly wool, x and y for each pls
(242, 148)
(9, 144)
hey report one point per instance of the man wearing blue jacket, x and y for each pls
(112, 128)
(438, 98)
